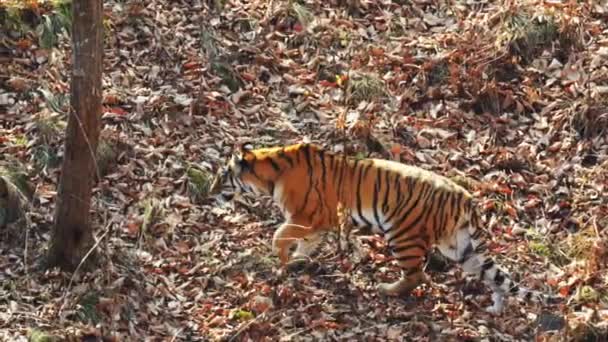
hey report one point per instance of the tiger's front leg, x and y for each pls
(288, 234)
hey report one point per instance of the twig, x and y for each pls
(86, 139)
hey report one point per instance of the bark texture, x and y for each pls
(72, 233)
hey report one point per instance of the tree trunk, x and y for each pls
(72, 234)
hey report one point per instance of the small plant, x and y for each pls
(292, 15)
(87, 308)
(365, 87)
(541, 247)
(525, 34)
(199, 183)
(54, 23)
(152, 214)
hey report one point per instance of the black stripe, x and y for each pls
(430, 207)
(481, 247)
(377, 189)
(467, 253)
(274, 164)
(232, 182)
(330, 157)
(285, 156)
(386, 193)
(397, 202)
(402, 203)
(427, 209)
(477, 234)
(318, 191)
(408, 258)
(343, 166)
(362, 171)
(322, 158)
(499, 277)
(271, 186)
(514, 289)
(487, 264)
(310, 185)
(240, 184)
(426, 189)
(453, 207)
(437, 218)
(405, 247)
(338, 162)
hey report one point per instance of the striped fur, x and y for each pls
(412, 208)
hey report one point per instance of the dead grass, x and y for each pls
(365, 87)
(199, 183)
(526, 32)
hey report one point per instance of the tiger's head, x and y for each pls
(243, 173)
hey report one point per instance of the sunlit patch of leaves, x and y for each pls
(577, 246)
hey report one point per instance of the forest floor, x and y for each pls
(507, 97)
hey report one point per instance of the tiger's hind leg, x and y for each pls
(410, 256)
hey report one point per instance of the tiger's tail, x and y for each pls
(475, 260)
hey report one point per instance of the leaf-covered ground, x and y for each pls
(509, 98)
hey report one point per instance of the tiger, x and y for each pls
(412, 208)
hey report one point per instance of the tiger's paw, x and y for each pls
(402, 286)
